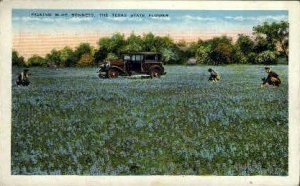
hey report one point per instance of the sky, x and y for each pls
(173, 21)
(38, 31)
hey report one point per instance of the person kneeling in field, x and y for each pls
(214, 76)
(272, 79)
(23, 78)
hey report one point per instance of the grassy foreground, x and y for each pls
(68, 121)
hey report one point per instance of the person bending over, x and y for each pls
(272, 78)
(214, 76)
(23, 78)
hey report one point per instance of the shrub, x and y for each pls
(83, 48)
(240, 58)
(36, 60)
(67, 57)
(17, 60)
(111, 56)
(86, 60)
(245, 44)
(222, 54)
(53, 59)
(169, 55)
(251, 57)
(202, 55)
(266, 57)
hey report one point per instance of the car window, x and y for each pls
(150, 57)
(139, 58)
(133, 58)
(126, 57)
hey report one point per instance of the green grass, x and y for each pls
(68, 121)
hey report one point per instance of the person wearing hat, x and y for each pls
(214, 76)
(272, 78)
(23, 78)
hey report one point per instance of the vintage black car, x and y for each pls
(147, 63)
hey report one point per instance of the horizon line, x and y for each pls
(28, 45)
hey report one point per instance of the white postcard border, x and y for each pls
(5, 92)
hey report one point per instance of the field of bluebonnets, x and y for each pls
(68, 121)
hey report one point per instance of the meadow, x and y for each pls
(70, 122)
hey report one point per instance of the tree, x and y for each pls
(245, 44)
(114, 44)
(168, 49)
(274, 35)
(163, 42)
(17, 60)
(36, 60)
(111, 56)
(169, 55)
(86, 60)
(67, 57)
(53, 57)
(202, 55)
(221, 50)
(244, 49)
(182, 43)
(100, 55)
(118, 42)
(83, 48)
(283, 38)
(266, 57)
(133, 44)
(221, 54)
(183, 53)
(149, 42)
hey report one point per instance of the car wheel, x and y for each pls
(112, 73)
(155, 73)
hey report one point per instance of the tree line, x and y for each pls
(268, 44)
